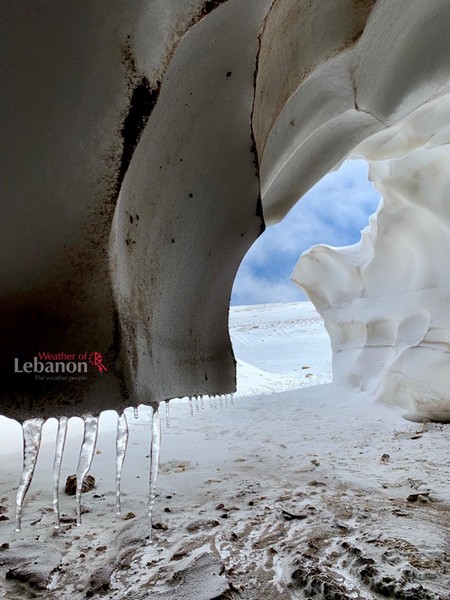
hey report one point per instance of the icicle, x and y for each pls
(121, 448)
(167, 414)
(215, 402)
(202, 403)
(226, 401)
(155, 449)
(32, 432)
(59, 450)
(221, 401)
(86, 456)
(232, 399)
(197, 406)
(211, 405)
(191, 406)
(136, 412)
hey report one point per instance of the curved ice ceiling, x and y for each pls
(142, 147)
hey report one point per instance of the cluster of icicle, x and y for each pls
(214, 402)
(32, 433)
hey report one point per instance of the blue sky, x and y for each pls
(333, 212)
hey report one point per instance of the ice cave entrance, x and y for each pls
(333, 212)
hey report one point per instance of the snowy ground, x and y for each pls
(294, 491)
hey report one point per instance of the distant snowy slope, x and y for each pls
(279, 347)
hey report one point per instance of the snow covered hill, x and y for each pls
(279, 347)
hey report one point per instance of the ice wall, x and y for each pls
(130, 195)
(386, 300)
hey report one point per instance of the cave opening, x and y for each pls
(279, 339)
(333, 212)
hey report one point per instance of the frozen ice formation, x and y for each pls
(32, 436)
(144, 148)
(386, 300)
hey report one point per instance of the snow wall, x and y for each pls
(386, 300)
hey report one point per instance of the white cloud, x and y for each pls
(333, 212)
(252, 289)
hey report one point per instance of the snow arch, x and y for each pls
(144, 146)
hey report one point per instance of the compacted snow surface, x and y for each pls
(292, 491)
